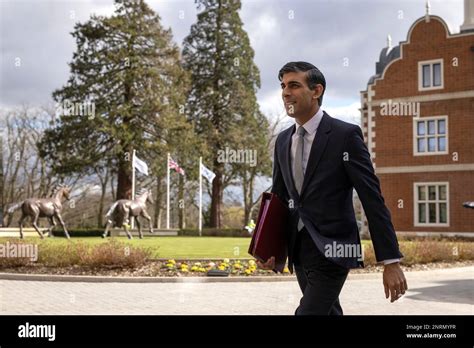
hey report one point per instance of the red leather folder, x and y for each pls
(270, 236)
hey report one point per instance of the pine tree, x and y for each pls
(224, 80)
(129, 68)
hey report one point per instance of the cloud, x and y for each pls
(271, 103)
(343, 38)
(348, 113)
(36, 46)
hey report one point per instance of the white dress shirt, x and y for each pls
(311, 127)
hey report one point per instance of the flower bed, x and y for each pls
(236, 267)
(115, 258)
(154, 268)
(163, 268)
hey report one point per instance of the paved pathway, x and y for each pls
(447, 291)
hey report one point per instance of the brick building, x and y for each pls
(418, 123)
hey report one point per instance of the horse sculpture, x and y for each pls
(124, 209)
(43, 207)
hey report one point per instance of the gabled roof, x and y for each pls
(386, 56)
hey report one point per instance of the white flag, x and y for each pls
(140, 165)
(208, 174)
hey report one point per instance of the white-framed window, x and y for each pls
(430, 135)
(431, 204)
(430, 75)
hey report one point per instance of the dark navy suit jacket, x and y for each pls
(338, 162)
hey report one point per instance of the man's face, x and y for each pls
(299, 100)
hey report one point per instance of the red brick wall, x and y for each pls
(400, 186)
(394, 134)
(428, 41)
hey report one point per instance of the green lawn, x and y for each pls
(175, 247)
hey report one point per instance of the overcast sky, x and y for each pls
(325, 33)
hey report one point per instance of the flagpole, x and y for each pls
(200, 196)
(132, 223)
(168, 192)
(184, 210)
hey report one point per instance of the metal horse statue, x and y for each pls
(43, 207)
(124, 209)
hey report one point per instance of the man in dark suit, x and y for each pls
(317, 164)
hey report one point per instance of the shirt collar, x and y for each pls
(312, 124)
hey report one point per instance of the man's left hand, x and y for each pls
(394, 281)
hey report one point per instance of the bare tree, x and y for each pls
(25, 174)
(276, 122)
(104, 175)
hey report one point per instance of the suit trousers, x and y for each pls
(320, 279)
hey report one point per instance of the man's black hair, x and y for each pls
(313, 75)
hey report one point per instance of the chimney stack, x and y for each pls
(468, 24)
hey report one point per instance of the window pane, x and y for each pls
(443, 213)
(422, 193)
(421, 128)
(437, 74)
(431, 127)
(432, 212)
(441, 127)
(442, 192)
(431, 144)
(432, 193)
(441, 144)
(421, 145)
(421, 212)
(426, 76)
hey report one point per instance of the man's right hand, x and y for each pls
(269, 265)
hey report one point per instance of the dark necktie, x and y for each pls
(298, 167)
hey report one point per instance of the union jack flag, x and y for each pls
(174, 165)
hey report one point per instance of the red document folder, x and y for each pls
(269, 237)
